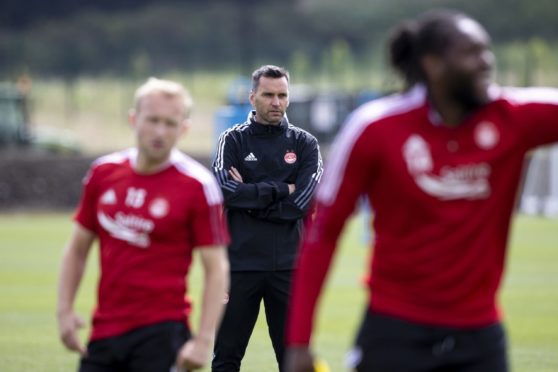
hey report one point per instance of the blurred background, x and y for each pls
(68, 68)
(82, 60)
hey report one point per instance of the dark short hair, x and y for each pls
(430, 33)
(269, 71)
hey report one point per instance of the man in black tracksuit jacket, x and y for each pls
(268, 170)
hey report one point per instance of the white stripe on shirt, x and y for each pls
(355, 124)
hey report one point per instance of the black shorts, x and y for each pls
(388, 344)
(151, 348)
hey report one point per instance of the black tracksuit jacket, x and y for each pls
(265, 222)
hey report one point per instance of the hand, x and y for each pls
(194, 354)
(235, 174)
(68, 325)
(299, 359)
(292, 188)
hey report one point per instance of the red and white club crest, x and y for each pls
(486, 135)
(290, 157)
(159, 208)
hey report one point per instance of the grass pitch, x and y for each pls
(30, 253)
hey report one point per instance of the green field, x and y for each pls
(30, 251)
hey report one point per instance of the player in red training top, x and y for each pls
(149, 207)
(440, 164)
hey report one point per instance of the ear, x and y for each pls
(251, 97)
(433, 66)
(185, 125)
(132, 116)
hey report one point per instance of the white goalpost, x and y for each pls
(540, 190)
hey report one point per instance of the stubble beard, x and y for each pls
(469, 95)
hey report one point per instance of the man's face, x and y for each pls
(158, 122)
(468, 64)
(270, 100)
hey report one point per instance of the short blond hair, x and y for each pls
(166, 87)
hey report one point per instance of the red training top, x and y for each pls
(442, 199)
(147, 226)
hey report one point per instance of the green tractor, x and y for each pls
(14, 117)
(16, 131)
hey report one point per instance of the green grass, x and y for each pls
(31, 247)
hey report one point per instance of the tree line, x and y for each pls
(115, 38)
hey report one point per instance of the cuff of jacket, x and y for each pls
(282, 190)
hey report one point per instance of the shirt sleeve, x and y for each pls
(86, 212)
(536, 112)
(296, 205)
(239, 195)
(208, 223)
(347, 176)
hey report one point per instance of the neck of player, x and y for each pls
(451, 111)
(147, 165)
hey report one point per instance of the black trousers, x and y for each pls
(387, 344)
(248, 289)
(151, 348)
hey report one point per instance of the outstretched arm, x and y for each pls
(71, 273)
(195, 353)
(349, 174)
